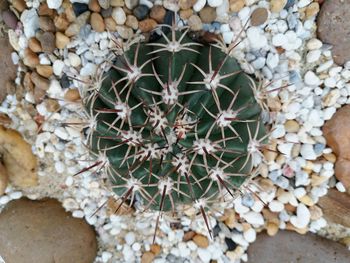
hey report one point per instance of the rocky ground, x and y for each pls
(57, 47)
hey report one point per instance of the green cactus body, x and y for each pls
(177, 122)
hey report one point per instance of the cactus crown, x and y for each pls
(175, 122)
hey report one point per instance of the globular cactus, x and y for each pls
(175, 122)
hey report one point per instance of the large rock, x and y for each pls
(42, 232)
(336, 132)
(289, 246)
(333, 27)
(7, 69)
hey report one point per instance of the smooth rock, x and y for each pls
(259, 16)
(236, 5)
(10, 19)
(277, 5)
(79, 8)
(140, 12)
(157, 13)
(195, 23)
(61, 40)
(30, 58)
(207, 14)
(19, 5)
(30, 234)
(54, 4)
(97, 22)
(119, 15)
(46, 24)
(47, 41)
(30, 21)
(147, 25)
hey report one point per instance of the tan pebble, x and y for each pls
(44, 10)
(296, 150)
(281, 159)
(94, 6)
(270, 216)
(46, 24)
(277, 5)
(111, 25)
(309, 165)
(155, 249)
(186, 4)
(345, 241)
(114, 208)
(5, 119)
(125, 32)
(301, 231)
(40, 82)
(312, 10)
(186, 14)
(30, 58)
(19, 5)
(72, 95)
(291, 126)
(290, 208)
(188, 236)
(246, 227)
(39, 95)
(97, 22)
(274, 104)
(116, 3)
(266, 184)
(318, 180)
(207, 14)
(330, 157)
(315, 212)
(270, 153)
(51, 105)
(131, 21)
(34, 45)
(306, 200)
(201, 241)
(147, 257)
(230, 221)
(195, 23)
(61, 22)
(27, 82)
(272, 229)
(259, 16)
(147, 25)
(70, 13)
(61, 40)
(264, 170)
(44, 70)
(157, 13)
(3, 179)
(236, 5)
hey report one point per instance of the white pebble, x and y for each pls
(74, 59)
(250, 235)
(311, 79)
(78, 214)
(340, 187)
(4, 200)
(198, 6)
(279, 40)
(254, 218)
(130, 238)
(214, 3)
(54, 4)
(313, 44)
(307, 152)
(58, 66)
(302, 218)
(276, 206)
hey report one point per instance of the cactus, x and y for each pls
(175, 122)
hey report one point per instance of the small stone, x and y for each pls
(155, 249)
(19, 5)
(79, 8)
(314, 44)
(44, 70)
(47, 41)
(72, 95)
(30, 58)
(119, 15)
(199, 5)
(110, 24)
(311, 79)
(44, 10)
(61, 40)
(132, 22)
(61, 22)
(157, 13)
(74, 28)
(147, 25)
(214, 3)
(292, 126)
(186, 14)
(302, 218)
(272, 229)
(277, 5)
(39, 82)
(30, 21)
(201, 241)
(253, 218)
(259, 16)
(312, 10)
(104, 3)
(186, 4)
(54, 4)
(131, 4)
(207, 14)
(141, 12)
(51, 105)
(46, 24)
(97, 22)
(34, 45)
(10, 19)
(195, 23)
(315, 212)
(115, 3)
(125, 32)
(94, 6)
(236, 5)
(147, 257)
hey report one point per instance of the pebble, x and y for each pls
(30, 58)
(147, 25)
(313, 44)
(256, 39)
(19, 5)
(79, 8)
(47, 41)
(157, 13)
(198, 6)
(201, 241)
(302, 218)
(58, 66)
(54, 4)
(195, 23)
(30, 21)
(10, 19)
(74, 28)
(46, 24)
(253, 218)
(44, 70)
(72, 95)
(311, 79)
(97, 22)
(259, 16)
(140, 12)
(277, 5)
(61, 40)
(207, 14)
(214, 3)
(131, 4)
(119, 15)
(236, 5)
(34, 45)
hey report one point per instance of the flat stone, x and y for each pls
(288, 246)
(6, 66)
(41, 231)
(333, 27)
(259, 16)
(336, 207)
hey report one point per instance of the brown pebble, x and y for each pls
(70, 14)
(34, 45)
(186, 14)
(147, 25)
(195, 23)
(19, 5)
(236, 5)
(27, 82)
(277, 5)
(186, 4)
(61, 22)
(44, 10)
(61, 40)
(201, 241)
(30, 58)
(97, 22)
(157, 13)
(155, 249)
(94, 6)
(259, 16)
(51, 105)
(110, 23)
(72, 95)
(272, 229)
(147, 257)
(3, 176)
(46, 24)
(131, 21)
(188, 236)
(5, 119)
(44, 70)
(47, 41)
(207, 14)
(40, 82)
(312, 10)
